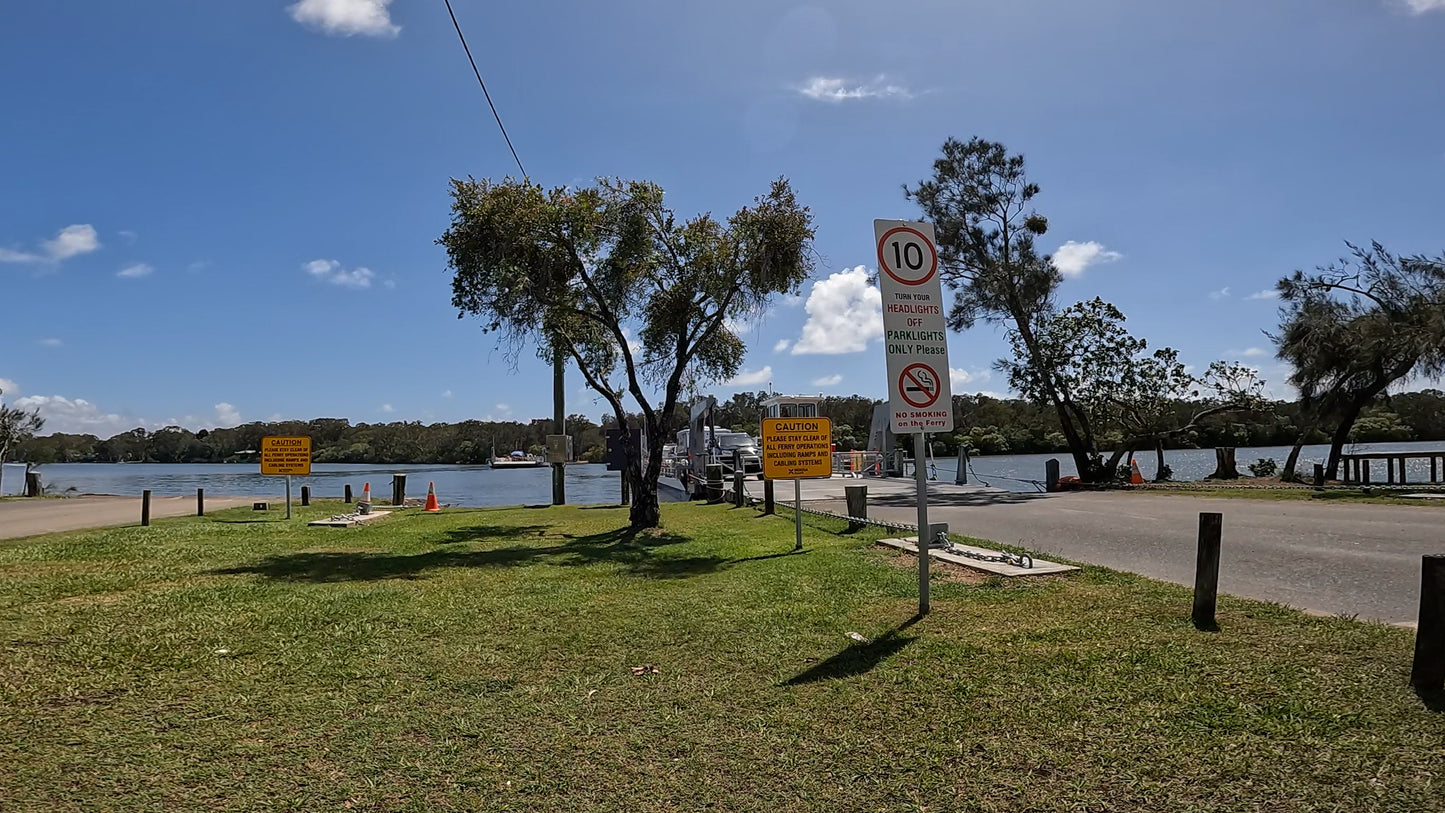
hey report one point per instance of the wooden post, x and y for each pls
(1319, 475)
(398, 489)
(33, 486)
(305, 496)
(1427, 674)
(200, 502)
(714, 482)
(145, 508)
(1206, 571)
(769, 507)
(1390, 470)
(857, 497)
(1051, 474)
(961, 478)
(739, 493)
(1433, 472)
(1365, 472)
(347, 499)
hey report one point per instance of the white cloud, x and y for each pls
(390, 284)
(1248, 353)
(828, 380)
(1222, 293)
(1073, 257)
(332, 272)
(68, 242)
(751, 378)
(1268, 293)
(76, 416)
(845, 312)
(135, 271)
(227, 415)
(346, 17)
(51, 343)
(128, 236)
(836, 89)
(12, 256)
(446, 393)
(198, 266)
(72, 240)
(791, 300)
(6, 385)
(782, 345)
(960, 378)
(387, 408)
(1423, 6)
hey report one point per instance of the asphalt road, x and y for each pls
(30, 517)
(1351, 559)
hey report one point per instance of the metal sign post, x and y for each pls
(285, 456)
(288, 496)
(916, 343)
(798, 513)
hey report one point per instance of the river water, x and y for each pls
(483, 486)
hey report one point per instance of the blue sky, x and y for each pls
(225, 211)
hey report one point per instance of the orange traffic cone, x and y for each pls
(1135, 478)
(431, 497)
(363, 505)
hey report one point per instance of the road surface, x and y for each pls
(1351, 559)
(30, 517)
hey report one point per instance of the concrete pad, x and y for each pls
(1438, 495)
(1040, 568)
(348, 520)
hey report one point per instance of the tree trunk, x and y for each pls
(646, 512)
(1342, 435)
(1081, 444)
(1159, 462)
(1288, 475)
(1225, 467)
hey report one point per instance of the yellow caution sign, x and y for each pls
(797, 448)
(286, 455)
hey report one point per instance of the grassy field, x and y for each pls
(543, 659)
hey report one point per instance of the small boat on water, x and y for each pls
(517, 460)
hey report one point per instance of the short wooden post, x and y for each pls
(857, 497)
(1206, 571)
(305, 496)
(1365, 472)
(33, 486)
(1427, 674)
(200, 502)
(145, 508)
(961, 478)
(347, 498)
(769, 507)
(739, 493)
(1319, 475)
(714, 482)
(398, 489)
(1434, 474)
(1390, 471)
(1051, 474)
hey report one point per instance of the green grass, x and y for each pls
(1296, 493)
(483, 660)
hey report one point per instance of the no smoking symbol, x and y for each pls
(918, 386)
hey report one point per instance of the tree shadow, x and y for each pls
(630, 550)
(858, 658)
(477, 533)
(773, 556)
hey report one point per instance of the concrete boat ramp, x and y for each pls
(881, 490)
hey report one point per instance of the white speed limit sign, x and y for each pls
(907, 255)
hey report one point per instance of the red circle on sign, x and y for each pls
(932, 250)
(909, 378)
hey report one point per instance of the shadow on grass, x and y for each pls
(632, 551)
(1434, 701)
(773, 556)
(860, 658)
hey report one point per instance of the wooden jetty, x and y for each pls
(1356, 467)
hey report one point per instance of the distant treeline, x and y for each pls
(985, 425)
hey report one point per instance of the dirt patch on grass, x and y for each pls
(939, 571)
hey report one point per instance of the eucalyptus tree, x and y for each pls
(609, 277)
(16, 426)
